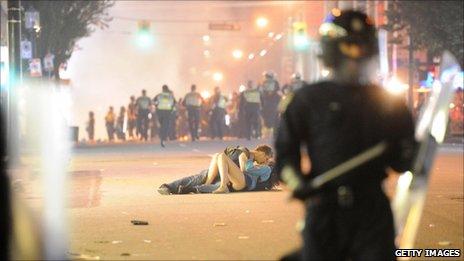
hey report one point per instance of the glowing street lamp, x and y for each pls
(218, 76)
(237, 54)
(206, 38)
(144, 36)
(262, 22)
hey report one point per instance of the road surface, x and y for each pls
(111, 185)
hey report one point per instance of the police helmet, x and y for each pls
(269, 74)
(347, 34)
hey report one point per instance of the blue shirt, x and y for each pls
(256, 173)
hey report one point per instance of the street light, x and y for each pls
(262, 22)
(144, 37)
(206, 38)
(251, 56)
(237, 54)
(218, 76)
(263, 52)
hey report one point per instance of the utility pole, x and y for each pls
(14, 41)
(411, 72)
(15, 77)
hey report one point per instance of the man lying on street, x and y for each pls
(234, 169)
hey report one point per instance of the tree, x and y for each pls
(432, 25)
(63, 23)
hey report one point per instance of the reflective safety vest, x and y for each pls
(252, 96)
(165, 101)
(269, 85)
(222, 102)
(193, 99)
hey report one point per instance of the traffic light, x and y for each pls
(144, 36)
(300, 36)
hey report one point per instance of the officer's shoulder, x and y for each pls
(310, 90)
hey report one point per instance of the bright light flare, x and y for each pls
(241, 88)
(237, 54)
(262, 22)
(218, 76)
(251, 56)
(270, 34)
(227, 119)
(325, 72)
(394, 86)
(206, 53)
(206, 38)
(144, 40)
(263, 52)
(205, 94)
(278, 37)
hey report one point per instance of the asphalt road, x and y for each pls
(111, 185)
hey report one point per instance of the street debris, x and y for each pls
(147, 241)
(102, 241)
(444, 243)
(116, 242)
(124, 213)
(77, 256)
(219, 224)
(268, 221)
(139, 222)
(243, 237)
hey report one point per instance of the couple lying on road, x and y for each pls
(234, 169)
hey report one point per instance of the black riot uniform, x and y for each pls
(349, 218)
(193, 102)
(250, 104)
(218, 113)
(270, 100)
(164, 103)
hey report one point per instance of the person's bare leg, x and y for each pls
(213, 169)
(229, 172)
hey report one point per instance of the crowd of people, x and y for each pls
(248, 113)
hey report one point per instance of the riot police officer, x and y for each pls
(164, 103)
(270, 99)
(193, 102)
(348, 218)
(218, 113)
(296, 82)
(250, 103)
(143, 109)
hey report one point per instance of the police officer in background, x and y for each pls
(164, 103)
(131, 116)
(250, 103)
(270, 99)
(296, 82)
(218, 113)
(193, 102)
(348, 218)
(143, 109)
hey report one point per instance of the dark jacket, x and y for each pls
(335, 123)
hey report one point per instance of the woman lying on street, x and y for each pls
(236, 168)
